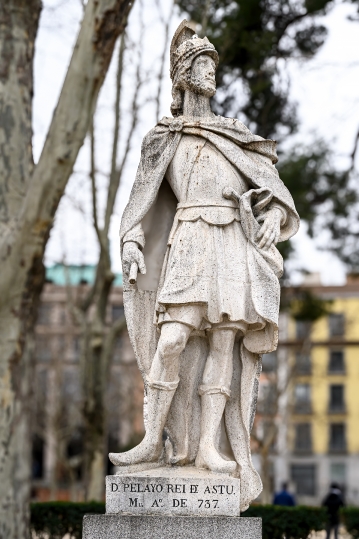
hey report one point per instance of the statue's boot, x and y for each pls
(213, 401)
(159, 398)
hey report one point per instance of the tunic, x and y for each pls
(207, 263)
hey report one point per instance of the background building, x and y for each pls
(307, 426)
(318, 437)
(57, 420)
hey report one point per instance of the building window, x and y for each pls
(303, 476)
(75, 449)
(267, 399)
(302, 364)
(302, 401)
(63, 316)
(76, 348)
(117, 312)
(44, 314)
(61, 344)
(338, 474)
(336, 325)
(336, 361)
(302, 329)
(118, 349)
(269, 362)
(336, 398)
(337, 438)
(37, 457)
(303, 438)
(43, 349)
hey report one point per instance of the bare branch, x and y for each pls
(109, 343)
(77, 313)
(103, 21)
(93, 181)
(354, 152)
(116, 176)
(102, 238)
(113, 185)
(167, 24)
(204, 23)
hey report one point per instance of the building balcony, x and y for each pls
(303, 451)
(302, 408)
(340, 450)
(337, 409)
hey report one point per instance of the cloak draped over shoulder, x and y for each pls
(252, 155)
(148, 218)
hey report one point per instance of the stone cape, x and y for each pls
(152, 206)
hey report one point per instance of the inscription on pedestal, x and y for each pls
(214, 495)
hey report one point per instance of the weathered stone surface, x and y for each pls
(162, 527)
(173, 491)
(204, 217)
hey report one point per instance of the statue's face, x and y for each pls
(203, 72)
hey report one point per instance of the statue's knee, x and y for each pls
(172, 343)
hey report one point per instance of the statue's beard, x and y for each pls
(202, 86)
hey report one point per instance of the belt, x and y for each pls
(184, 205)
(228, 192)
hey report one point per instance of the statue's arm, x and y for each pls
(133, 243)
(273, 219)
(135, 234)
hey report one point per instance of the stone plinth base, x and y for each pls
(164, 527)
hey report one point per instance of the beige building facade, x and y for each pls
(57, 430)
(318, 417)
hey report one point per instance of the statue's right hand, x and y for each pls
(132, 254)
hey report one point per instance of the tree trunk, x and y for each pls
(266, 476)
(97, 365)
(98, 348)
(28, 200)
(18, 28)
(94, 414)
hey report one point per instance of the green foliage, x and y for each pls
(289, 522)
(318, 189)
(350, 518)
(309, 308)
(52, 520)
(251, 36)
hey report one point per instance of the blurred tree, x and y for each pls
(29, 197)
(326, 198)
(254, 39)
(251, 36)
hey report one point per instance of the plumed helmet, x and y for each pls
(186, 46)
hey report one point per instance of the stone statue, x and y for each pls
(205, 213)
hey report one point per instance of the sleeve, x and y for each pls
(135, 234)
(274, 205)
(283, 211)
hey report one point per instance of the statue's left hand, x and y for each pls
(270, 230)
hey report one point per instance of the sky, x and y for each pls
(325, 89)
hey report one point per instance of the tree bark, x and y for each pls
(266, 476)
(29, 197)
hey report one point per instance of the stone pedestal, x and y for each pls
(168, 501)
(174, 527)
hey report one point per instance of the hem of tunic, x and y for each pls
(206, 324)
